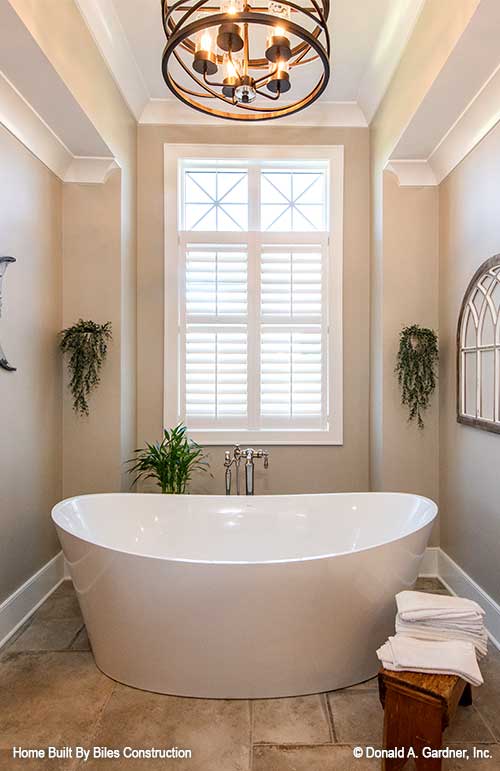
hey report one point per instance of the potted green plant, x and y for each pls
(416, 369)
(170, 462)
(87, 345)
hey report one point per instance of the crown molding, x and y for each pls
(460, 108)
(173, 112)
(18, 117)
(90, 171)
(24, 123)
(480, 117)
(387, 54)
(105, 27)
(412, 173)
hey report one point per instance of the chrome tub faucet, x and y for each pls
(249, 455)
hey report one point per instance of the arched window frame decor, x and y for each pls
(478, 350)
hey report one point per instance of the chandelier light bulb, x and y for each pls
(230, 70)
(279, 81)
(204, 61)
(205, 42)
(231, 7)
(281, 66)
(278, 45)
(231, 76)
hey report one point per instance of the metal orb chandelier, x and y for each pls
(243, 62)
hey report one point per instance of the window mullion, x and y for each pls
(254, 198)
(253, 356)
(253, 332)
(182, 331)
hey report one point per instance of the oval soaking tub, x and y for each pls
(236, 597)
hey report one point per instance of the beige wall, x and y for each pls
(404, 255)
(92, 269)
(61, 33)
(30, 399)
(469, 458)
(409, 456)
(292, 469)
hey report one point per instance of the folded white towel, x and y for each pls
(429, 632)
(401, 653)
(415, 606)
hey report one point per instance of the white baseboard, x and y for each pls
(429, 564)
(17, 608)
(437, 563)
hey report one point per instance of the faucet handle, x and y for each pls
(266, 458)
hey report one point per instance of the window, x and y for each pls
(253, 294)
(479, 350)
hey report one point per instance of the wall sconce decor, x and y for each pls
(4, 264)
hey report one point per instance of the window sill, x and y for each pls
(265, 437)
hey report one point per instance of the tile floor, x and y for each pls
(51, 693)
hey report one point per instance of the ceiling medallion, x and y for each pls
(229, 59)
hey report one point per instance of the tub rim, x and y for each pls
(183, 560)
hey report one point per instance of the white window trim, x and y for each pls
(334, 154)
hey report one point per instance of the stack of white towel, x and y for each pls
(438, 634)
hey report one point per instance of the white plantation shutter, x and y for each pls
(215, 362)
(286, 328)
(293, 336)
(292, 376)
(216, 281)
(256, 318)
(216, 373)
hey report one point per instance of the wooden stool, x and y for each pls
(417, 709)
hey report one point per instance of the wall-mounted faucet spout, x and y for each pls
(250, 455)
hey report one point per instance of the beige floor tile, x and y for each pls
(357, 716)
(301, 720)
(468, 726)
(82, 642)
(430, 584)
(55, 634)
(50, 698)
(216, 731)
(60, 606)
(371, 684)
(326, 758)
(486, 698)
(5, 648)
(65, 587)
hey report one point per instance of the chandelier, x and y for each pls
(246, 62)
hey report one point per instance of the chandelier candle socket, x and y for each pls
(281, 47)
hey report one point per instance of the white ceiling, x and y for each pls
(368, 38)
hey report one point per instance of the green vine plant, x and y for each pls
(86, 343)
(417, 359)
(170, 462)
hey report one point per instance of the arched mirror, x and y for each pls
(478, 350)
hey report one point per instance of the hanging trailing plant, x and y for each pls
(87, 345)
(416, 369)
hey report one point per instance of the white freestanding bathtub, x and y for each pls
(236, 597)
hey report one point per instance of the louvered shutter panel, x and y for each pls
(215, 335)
(293, 337)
